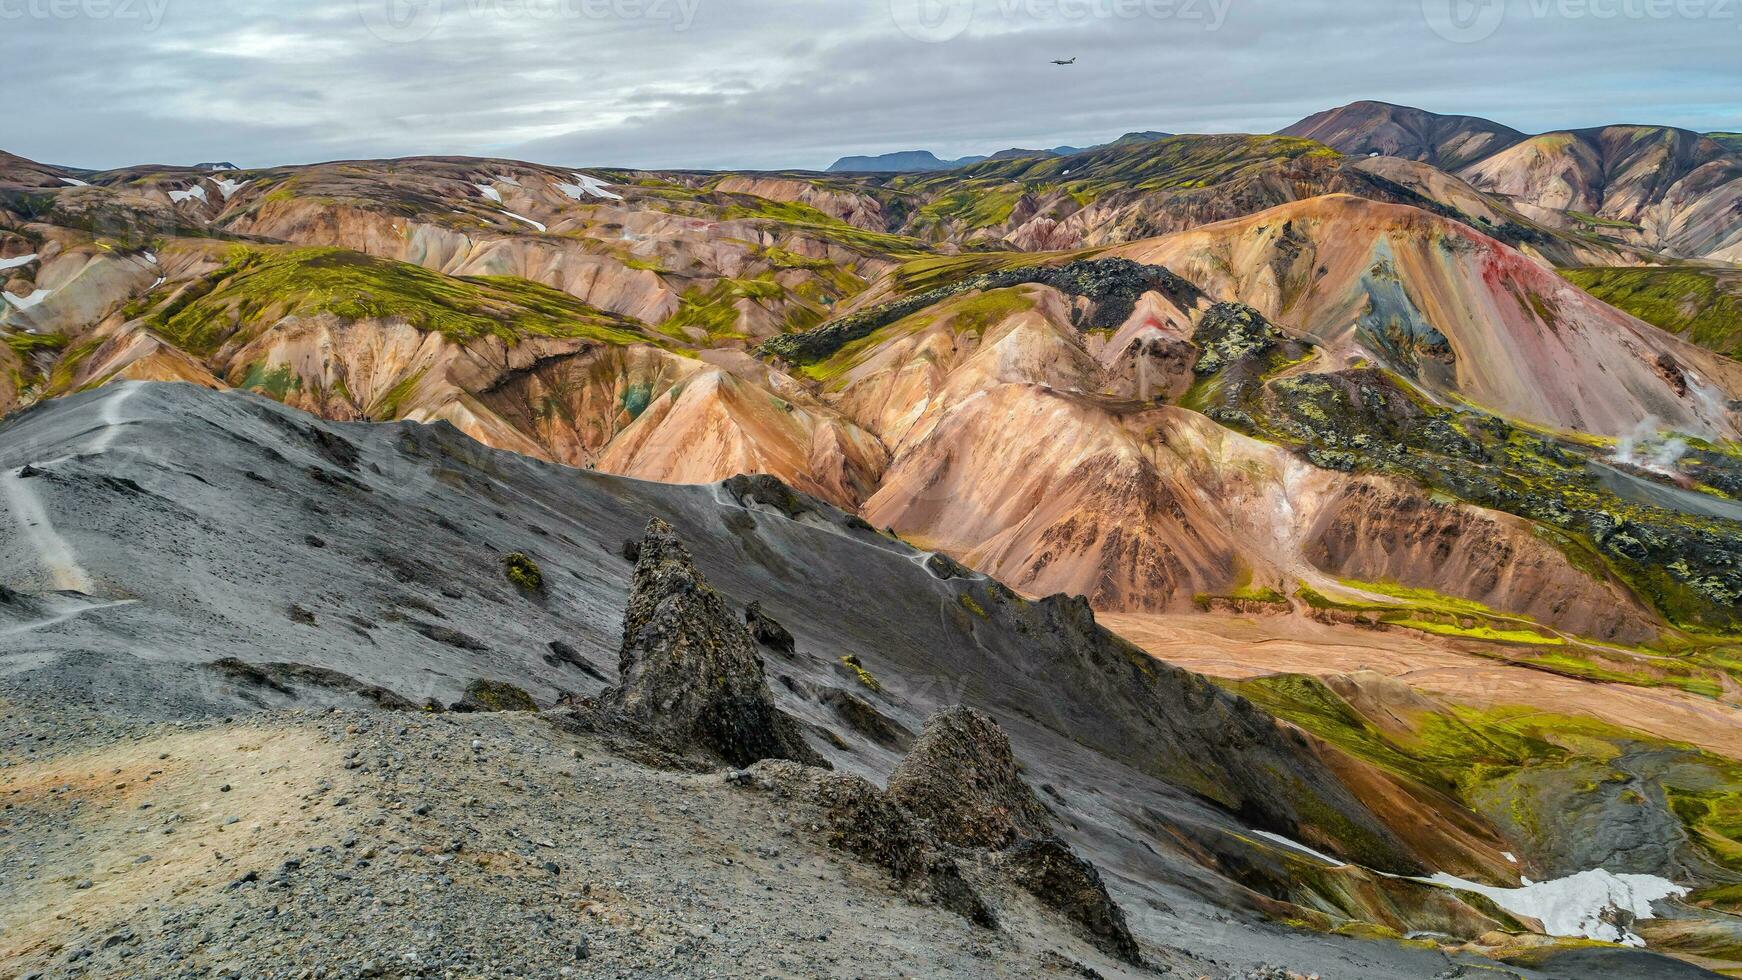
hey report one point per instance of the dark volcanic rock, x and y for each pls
(861, 819)
(945, 567)
(861, 717)
(691, 679)
(766, 631)
(562, 654)
(1181, 727)
(288, 680)
(1048, 869)
(770, 491)
(961, 779)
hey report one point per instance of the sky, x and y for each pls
(740, 84)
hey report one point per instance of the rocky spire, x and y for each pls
(961, 781)
(961, 777)
(690, 675)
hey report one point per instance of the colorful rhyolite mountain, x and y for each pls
(1264, 384)
(1656, 187)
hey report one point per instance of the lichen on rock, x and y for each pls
(524, 573)
(860, 819)
(691, 678)
(487, 695)
(962, 782)
(1048, 869)
(961, 778)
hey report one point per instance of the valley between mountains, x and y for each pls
(1258, 556)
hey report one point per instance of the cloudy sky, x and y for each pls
(796, 83)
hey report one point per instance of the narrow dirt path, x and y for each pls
(54, 553)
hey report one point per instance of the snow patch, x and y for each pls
(150, 257)
(1578, 906)
(535, 224)
(228, 186)
(16, 262)
(192, 192)
(1302, 848)
(587, 186)
(74, 182)
(1575, 906)
(26, 302)
(489, 192)
(1509, 856)
(506, 179)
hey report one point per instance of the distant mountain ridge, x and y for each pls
(1659, 187)
(925, 161)
(1367, 128)
(1729, 141)
(904, 161)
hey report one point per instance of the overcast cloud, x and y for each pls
(797, 83)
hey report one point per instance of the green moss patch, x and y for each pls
(26, 344)
(260, 286)
(524, 573)
(276, 382)
(490, 696)
(984, 194)
(1500, 760)
(806, 219)
(852, 663)
(1688, 566)
(1703, 305)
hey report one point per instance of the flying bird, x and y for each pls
(1061, 61)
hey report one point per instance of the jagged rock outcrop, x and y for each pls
(860, 819)
(766, 631)
(691, 679)
(957, 795)
(961, 781)
(1048, 869)
(961, 778)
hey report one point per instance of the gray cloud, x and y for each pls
(777, 83)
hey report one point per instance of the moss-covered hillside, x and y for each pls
(258, 286)
(1687, 564)
(1699, 303)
